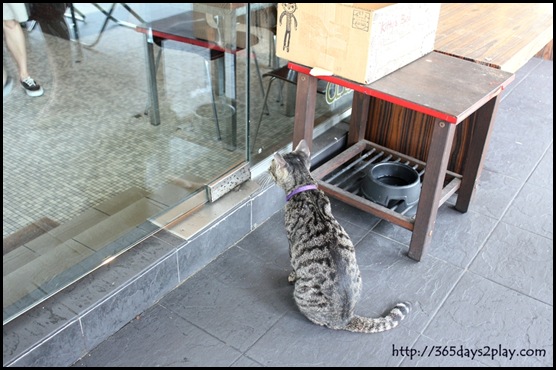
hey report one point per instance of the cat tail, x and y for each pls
(361, 324)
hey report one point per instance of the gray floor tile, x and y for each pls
(522, 73)
(494, 193)
(115, 311)
(523, 129)
(246, 362)
(525, 132)
(516, 157)
(356, 233)
(389, 277)
(520, 260)
(343, 211)
(268, 242)
(535, 93)
(481, 314)
(38, 323)
(514, 121)
(428, 353)
(160, 338)
(543, 175)
(237, 298)
(457, 236)
(296, 342)
(533, 210)
(57, 351)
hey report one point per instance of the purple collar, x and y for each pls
(300, 190)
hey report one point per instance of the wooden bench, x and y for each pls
(503, 36)
(444, 88)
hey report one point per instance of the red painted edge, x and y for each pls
(377, 94)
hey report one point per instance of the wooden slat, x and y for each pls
(504, 36)
(366, 205)
(339, 160)
(449, 190)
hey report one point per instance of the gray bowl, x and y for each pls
(388, 183)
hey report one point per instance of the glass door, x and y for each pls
(144, 110)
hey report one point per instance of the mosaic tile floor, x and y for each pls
(86, 140)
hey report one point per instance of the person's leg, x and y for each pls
(15, 41)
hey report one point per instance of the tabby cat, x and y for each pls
(326, 277)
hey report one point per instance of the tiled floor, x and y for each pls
(86, 140)
(481, 297)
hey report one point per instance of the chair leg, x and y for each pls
(272, 58)
(214, 110)
(109, 17)
(260, 79)
(156, 64)
(256, 132)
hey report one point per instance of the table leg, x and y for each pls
(305, 105)
(74, 21)
(154, 109)
(480, 139)
(231, 94)
(431, 189)
(227, 24)
(359, 116)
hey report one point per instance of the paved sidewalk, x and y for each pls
(482, 296)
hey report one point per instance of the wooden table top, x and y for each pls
(436, 84)
(503, 36)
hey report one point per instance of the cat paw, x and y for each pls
(292, 277)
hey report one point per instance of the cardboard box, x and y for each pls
(359, 42)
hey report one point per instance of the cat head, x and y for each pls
(292, 169)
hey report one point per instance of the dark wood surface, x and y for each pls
(427, 85)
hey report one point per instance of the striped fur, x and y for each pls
(326, 277)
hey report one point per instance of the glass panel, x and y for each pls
(272, 119)
(93, 166)
(144, 106)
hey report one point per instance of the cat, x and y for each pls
(326, 277)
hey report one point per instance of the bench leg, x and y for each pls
(431, 189)
(485, 117)
(154, 109)
(305, 104)
(359, 117)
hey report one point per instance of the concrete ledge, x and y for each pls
(70, 324)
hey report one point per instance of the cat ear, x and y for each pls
(303, 147)
(280, 161)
